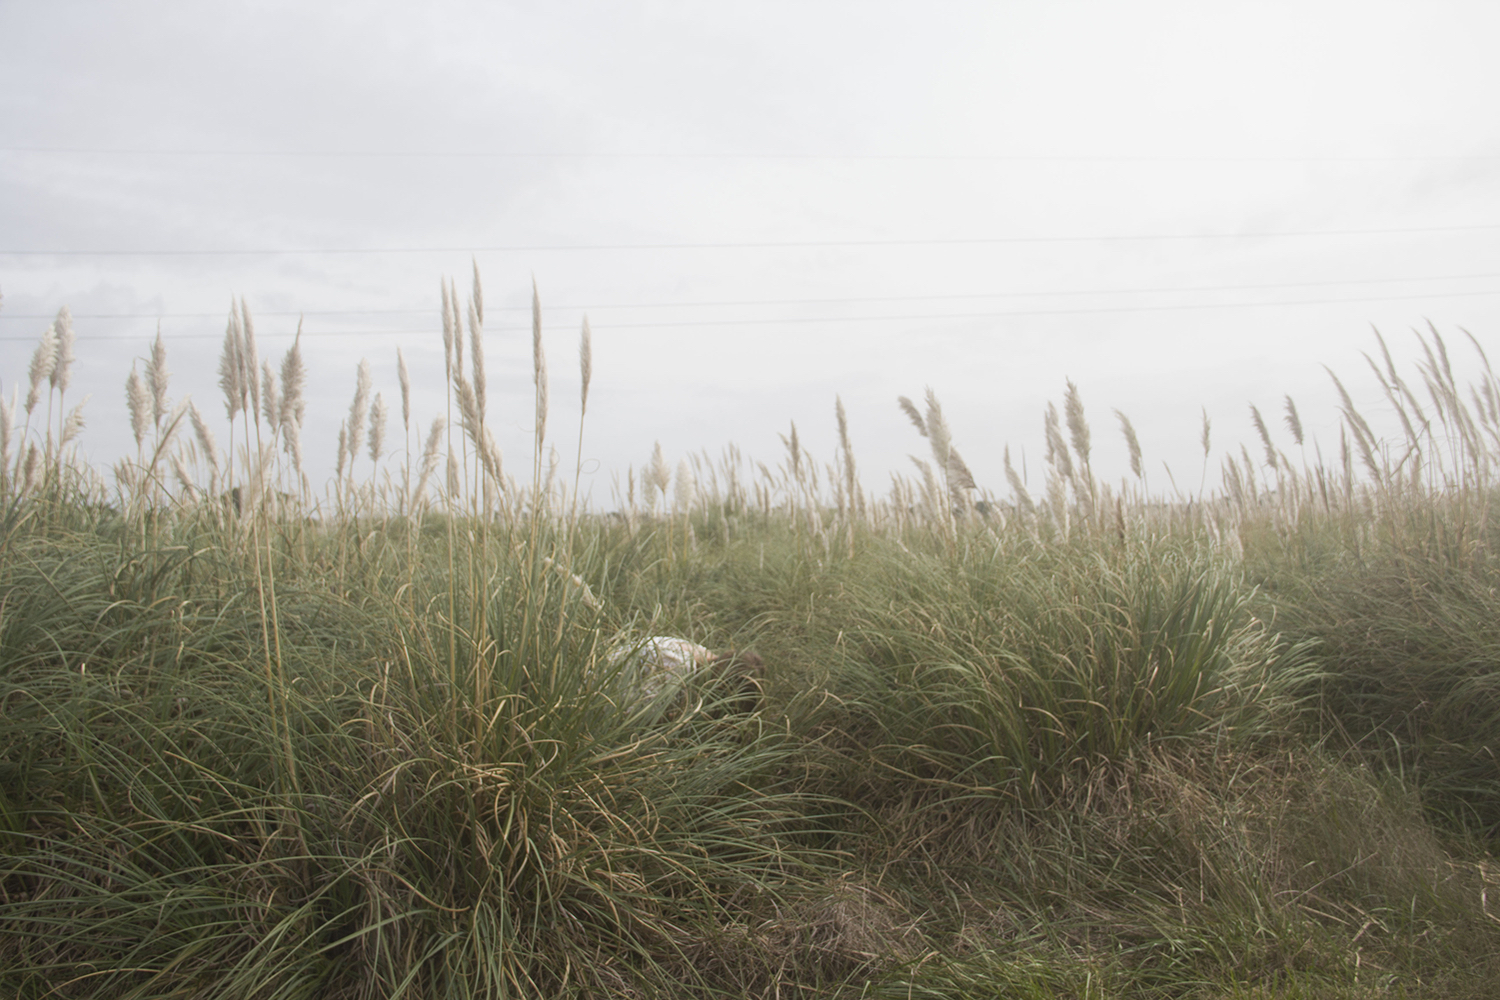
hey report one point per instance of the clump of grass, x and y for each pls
(1014, 675)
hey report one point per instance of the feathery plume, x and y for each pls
(851, 478)
(358, 408)
(377, 427)
(937, 431)
(157, 377)
(1249, 472)
(910, 409)
(447, 335)
(657, 474)
(248, 360)
(291, 437)
(685, 490)
(138, 399)
(43, 361)
(343, 456)
(430, 455)
(476, 356)
(455, 482)
(270, 401)
(478, 297)
(184, 477)
(73, 426)
(293, 382)
(1017, 486)
(489, 456)
(1057, 448)
(585, 363)
(205, 437)
(1293, 421)
(538, 365)
(959, 476)
(65, 357)
(33, 466)
(404, 377)
(232, 368)
(1204, 438)
(1364, 437)
(1078, 427)
(1265, 436)
(468, 409)
(794, 449)
(931, 496)
(458, 328)
(1132, 443)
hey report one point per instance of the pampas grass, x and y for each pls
(657, 476)
(359, 408)
(1078, 427)
(377, 428)
(1293, 421)
(476, 356)
(1132, 445)
(205, 436)
(404, 377)
(232, 369)
(1057, 448)
(447, 333)
(43, 364)
(372, 746)
(138, 400)
(62, 366)
(431, 454)
(1265, 436)
(293, 383)
(249, 363)
(538, 367)
(270, 401)
(158, 377)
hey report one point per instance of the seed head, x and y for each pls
(910, 409)
(358, 407)
(1131, 442)
(404, 377)
(43, 361)
(65, 338)
(157, 377)
(585, 362)
(138, 399)
(232, 368)
(538, 365)
(377, 427)
(293, 380)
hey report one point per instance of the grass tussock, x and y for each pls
(259, 741)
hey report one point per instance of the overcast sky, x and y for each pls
(760, 206)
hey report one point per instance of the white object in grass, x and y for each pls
(658, 665)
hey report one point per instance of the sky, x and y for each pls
(1180, 208)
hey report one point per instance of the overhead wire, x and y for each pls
(824, 300)
(449, 154)
(786, 321)
(750, 244)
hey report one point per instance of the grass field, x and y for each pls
(259, 741)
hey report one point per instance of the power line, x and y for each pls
(393, 154)
(706, 303)
(756, 245)
(1021, 313)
